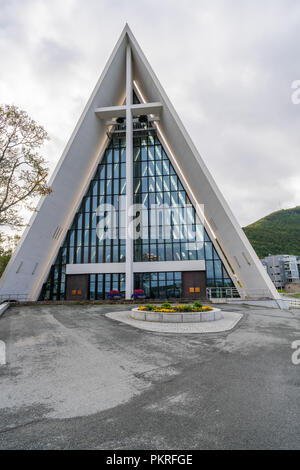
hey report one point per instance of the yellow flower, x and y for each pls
(165, 310)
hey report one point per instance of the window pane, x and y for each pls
(208, 250)
(209, 269)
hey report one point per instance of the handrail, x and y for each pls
(294, 303)
(222, 292)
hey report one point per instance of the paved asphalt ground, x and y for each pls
(78, 380)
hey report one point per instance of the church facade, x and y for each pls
(133, 206)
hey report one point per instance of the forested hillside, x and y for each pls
(277, 233)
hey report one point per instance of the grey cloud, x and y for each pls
(53, 55)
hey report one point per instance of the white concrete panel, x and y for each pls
(143, 267)
(110, 112)
(95, 268)
(129, 174)
(147, 108)
(161, 266)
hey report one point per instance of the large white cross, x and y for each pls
(128, 111)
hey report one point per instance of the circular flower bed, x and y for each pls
(168, 308)
(168, 313)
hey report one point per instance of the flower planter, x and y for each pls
(114, 296)
(177, 317)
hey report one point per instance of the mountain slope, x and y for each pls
(277, 233)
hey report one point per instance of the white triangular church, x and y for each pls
(85, 240)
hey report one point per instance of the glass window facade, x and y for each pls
(156, 182)
(216, 274)
(101, 284)
(159, 285)
(84, 242)
(173, 235)
(99, 235)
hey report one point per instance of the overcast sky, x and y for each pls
(227, 66)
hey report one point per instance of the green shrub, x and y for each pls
(198, 304)
(188, 308)
(184, 308)
(166, 305)
(150, 306)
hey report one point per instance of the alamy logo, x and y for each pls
(156, 222)
(296, 354)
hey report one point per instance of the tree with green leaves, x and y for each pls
(23, 171)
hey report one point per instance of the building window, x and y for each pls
(102, 284)
(159, 284)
